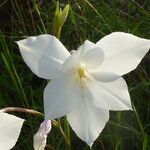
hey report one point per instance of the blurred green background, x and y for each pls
(87, 19)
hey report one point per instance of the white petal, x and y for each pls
(10, 127)
(86, 46)
(112, 95)
(43, 54)
(91, 55)
(93, 58)
(61, 96)
(72, 62)
(103, 76)
(40, 138)
(123, 52)
(88, 54)
(88, 120)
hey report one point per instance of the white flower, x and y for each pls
(87, 84)
(40, 137)
(10, 127)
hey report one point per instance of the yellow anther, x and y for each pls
(81, 72)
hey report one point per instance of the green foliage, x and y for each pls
(87, 19)
(59, 19)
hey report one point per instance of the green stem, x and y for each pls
(67, 132)
(144, 135)
(14, 76)
(63, 134)
(98, 14)
(138, 119)
(124, 127)
(39, 15)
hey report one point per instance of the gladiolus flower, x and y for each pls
(87, 84)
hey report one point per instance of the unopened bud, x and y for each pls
(40, 138)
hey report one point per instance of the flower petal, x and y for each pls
(88, 120)
(86, 46)
(71, 63)
(93, 58)
(10, 128)
(91, 54)
(87, 54)
(74, 60)
(40, 138)
(123, 52)
(43, 54)
(112, 95)
(61, 96)
(103, 76)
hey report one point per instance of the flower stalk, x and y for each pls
(24, 110)
(58, 21)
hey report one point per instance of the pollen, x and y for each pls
(81, 72)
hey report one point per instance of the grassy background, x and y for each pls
(91, 20)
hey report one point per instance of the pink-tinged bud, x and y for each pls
(40, 138)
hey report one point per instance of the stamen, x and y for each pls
(81, 73)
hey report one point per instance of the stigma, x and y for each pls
(81, 71)
(81, 74)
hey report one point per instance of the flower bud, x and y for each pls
(40, 137)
